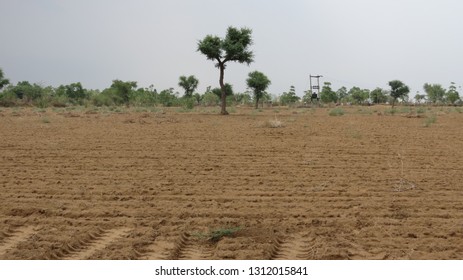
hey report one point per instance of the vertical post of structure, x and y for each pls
(311, 91)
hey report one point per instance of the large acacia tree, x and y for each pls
(258, 82)
(234, 47)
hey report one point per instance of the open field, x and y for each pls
(283, 183)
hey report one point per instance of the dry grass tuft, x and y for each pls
(275, 123)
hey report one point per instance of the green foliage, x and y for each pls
(122, 91)
(307, 97)
(342, 94)
(27, 92)
(419, 98)
(336, 112)
(398, 90)
(216, 235)
(234, 47)
(258, 82)
(197, 98)
(452, 95)
(429, 120)
(75, 91)
(359, 96)
(8, 99)
(288, 98)
(242, 98)
(210, 99)
(168, 98)
(378, 96)
(435, 92)
(143, 97)
(391, 111)
(188, 102)
(189, 84)
(327, 95)
(228, 90)
(3, 80)
(104, 99)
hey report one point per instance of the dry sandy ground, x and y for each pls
(81, 184)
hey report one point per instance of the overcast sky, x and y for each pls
(363, 43)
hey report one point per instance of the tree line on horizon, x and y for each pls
(233, 48)
(126, 93)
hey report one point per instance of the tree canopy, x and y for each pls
(327, 95)
(189, 84)
(434, 92)
(258, 82)
(398, 90)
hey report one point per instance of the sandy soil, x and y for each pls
(82, 184)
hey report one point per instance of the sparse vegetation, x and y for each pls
(273, 123)
(336, 112)
(217, 234)
(430, 120)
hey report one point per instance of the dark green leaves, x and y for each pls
(234, 47)
(258, 82)
(189, 84)
(398, 89)
(211, 47)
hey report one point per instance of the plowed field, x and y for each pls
(86, 184)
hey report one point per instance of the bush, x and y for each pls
(430, 120)
(8, 99)
(102, 99)
(42, 102)
(59, 101)
(188, 103)
(336, 112)
(210, 99)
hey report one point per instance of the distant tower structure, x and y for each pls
(315, 88)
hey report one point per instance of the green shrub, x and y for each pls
(59, 101)
(430, 120)
(188, 103)
(390, 111)
(8, 99)
(336, 112)
(102, 99)
(42, 102)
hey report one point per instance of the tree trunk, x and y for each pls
(223, 110)
(257, 102)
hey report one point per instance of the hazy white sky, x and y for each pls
(363, 43)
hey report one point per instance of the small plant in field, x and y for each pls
(404, 184)
(336, 112)
(217, 234)
(41, 110)
(430, 120)
(275, 123)
(420, 110)
(405, 110)
(363, 111)
(390, 111)
(458, 110)
(45, 120)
